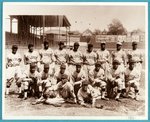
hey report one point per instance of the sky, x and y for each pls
(83, 17)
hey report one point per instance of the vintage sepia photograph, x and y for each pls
(75, 60)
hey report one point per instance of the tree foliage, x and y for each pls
(116, 28)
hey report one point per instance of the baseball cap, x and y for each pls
(46, 66)
(76, 44)
(103, 42)
(134, 43)
(116, 60)
(90, 45)
(14, 47)
(84, 83)
(64, 76)
(46, 42)
(133, 60)
(30, 45)
(63, 66)
(119, 43)
(78, 65)
(61, 43)
(98, 63)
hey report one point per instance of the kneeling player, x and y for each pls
(97, 79)
(116, 78)
(132, 78)
(30, 80)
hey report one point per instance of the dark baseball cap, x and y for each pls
(90, 45)
(63, 66)
(76, 44)
(85, 83)
(61, 43)
(14, 47)
(134, 43)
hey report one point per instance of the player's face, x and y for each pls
(76, 47)
(97, 68)
(78, 69)
(115, 65)
(64, 81)
(31, 49)
(119, 47)
(103, 46)
(131, 66)
(46, 70)
(134, 47)
(61, 46)
(46, 46)
(84, 88)
(32, 69)
(90, 49)
(14, 50)
(62, 70)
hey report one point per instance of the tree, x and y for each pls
(116, 28)
(97, 32)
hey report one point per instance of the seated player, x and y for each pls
(13, 70)
(132, 78)
(86, 95)
(30, 80)
(97, 79)
(77, 77)
(116, 78)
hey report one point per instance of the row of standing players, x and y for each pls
(72, 74)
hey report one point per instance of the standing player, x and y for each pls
(132, 77)
(116, 79)
(75, 56)
(47, 56)
(13, 69)
(135, 53)
(119, 53)
(77, 77)
(90, 58)
(31, 56)
(104, 57)
(97, 79)
(61, 56)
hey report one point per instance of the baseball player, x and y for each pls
(77, 77)
(47, 56)
(13, 70)
(116, 78)
(119, 53)
(60, 56)
(97, 79)
(90, 58)
(46, 79)
(30, 80)
(135, 53)
(75, 57)
(31, 56)
(132, 77)
(86, 95)
(103, 56)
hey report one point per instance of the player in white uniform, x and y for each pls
(30, 80)
(104, 57)
(46, 79)
(13, 69)
(60, 56)
(116, 78)
(132, 77)
(90, 57)
(120, 54)
(77, 77)
(31, 56)
(47, 56)
(86, 95)
(75, 56)
(136, 53)
(97, 79)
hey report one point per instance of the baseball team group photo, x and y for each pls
(76, 60)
